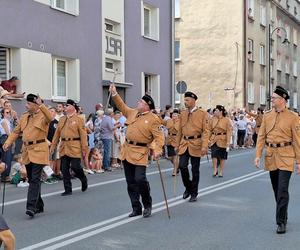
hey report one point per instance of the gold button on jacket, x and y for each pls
(276, 128)
(192, 124)
(69, 128)
(33, 127)
(144, 128)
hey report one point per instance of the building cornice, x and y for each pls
(285, 12)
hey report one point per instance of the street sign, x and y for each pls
(181, 87)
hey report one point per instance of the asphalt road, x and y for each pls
(233, 212)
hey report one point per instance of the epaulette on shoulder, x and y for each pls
(293, 112)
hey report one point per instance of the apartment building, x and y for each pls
(222, 50)
(71, 49)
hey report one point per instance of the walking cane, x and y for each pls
(163, 188)
(109, 95)
(3, 196)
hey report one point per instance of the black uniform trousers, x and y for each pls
(190, 185)
(280, 182)
(137, 185)
(68, 163)
(34, 199)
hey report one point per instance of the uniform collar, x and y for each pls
(144, 113)
(193, 109)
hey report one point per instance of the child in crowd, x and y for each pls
(18, 172)
(95, 161)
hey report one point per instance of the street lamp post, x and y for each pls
(270, 44)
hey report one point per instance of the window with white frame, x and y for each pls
(250, 6)
(112, 26)
(177, 8)
(288, 32)
(150, 21)
(177, 50)
(250, 92)
(262, 92)
(295, 68)
(151, 86)
(262, 55)
(250, 49)
(278, 61)
(68, 6)
(279, 24)
(271, 13)
(263, 14)
(60, 78)
(295, 100)
(295, 36)
(287, 65)
(4, 63)
(112, 65)
(65, 79)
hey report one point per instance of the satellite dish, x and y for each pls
(181, 87)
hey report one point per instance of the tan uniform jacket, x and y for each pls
(69, 128)
(33, 128)
(222, 127)
(279, 127)
(258, 120)
(145, 128)
(193, 124)
(173, 127)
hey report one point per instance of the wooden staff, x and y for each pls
(109, 95)
(163, 188)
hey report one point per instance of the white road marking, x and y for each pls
(123, 219)
(107, 182)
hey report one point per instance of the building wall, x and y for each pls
(37, 33)
(146, 55)
(211, 40)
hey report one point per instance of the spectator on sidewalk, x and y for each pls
(107, 134)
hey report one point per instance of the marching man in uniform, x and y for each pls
(34, 126)
(72, 132)
(192, 143)
(280, 133)
(143, 128)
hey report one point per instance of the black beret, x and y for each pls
(148, 99)
(73, 103)
(282, 92)
(220, 107)
(190, 94)
(31, 98)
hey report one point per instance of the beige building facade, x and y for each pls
(222, 50)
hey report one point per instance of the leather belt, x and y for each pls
(140, 144)
(27, 143)
(191, 137)
(278, 145)
(219, 133)
(71, 139)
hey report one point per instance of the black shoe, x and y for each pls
(66, 193)
(135, 213)
(193, 198)
(186, 194)
(84, 185)
(147, 212)
(30, 213)
(281, 229)
(40, 210)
